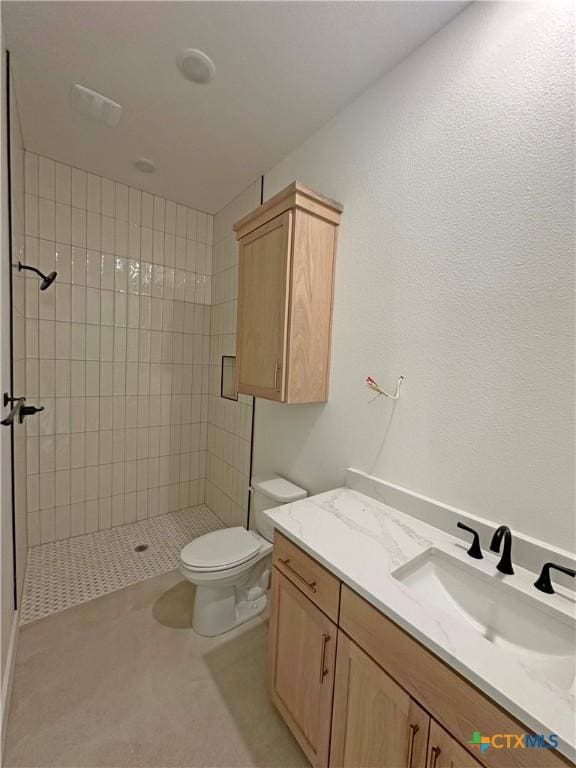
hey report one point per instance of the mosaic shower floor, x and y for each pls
(66, 573)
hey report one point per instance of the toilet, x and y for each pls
(231, 567)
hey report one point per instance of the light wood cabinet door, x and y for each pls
(375, 722)
(263, 286)
(445, 752)
(302, 657)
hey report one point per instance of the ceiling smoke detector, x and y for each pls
(196, 66)
(144, 165)
(94, 105)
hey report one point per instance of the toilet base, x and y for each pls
(214, 615)
(220, 608)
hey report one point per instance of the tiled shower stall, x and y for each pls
(117, 352)
(124, 352)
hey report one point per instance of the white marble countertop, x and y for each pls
(362, 541)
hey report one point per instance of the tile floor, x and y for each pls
(65, 573)
(122, 681)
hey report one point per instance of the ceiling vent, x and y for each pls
(95, 106)
(196, 66)
(144, 165)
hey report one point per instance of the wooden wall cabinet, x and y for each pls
(390, 703)
(287, 249)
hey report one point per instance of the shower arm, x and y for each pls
(32, 269)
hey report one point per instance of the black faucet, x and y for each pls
(544, 583)
(475, 550)
(505, 564)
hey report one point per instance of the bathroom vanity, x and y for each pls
(367, 673)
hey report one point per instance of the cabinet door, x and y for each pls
(445, 752)
(375, 722)
(264, 269)
(302, 655)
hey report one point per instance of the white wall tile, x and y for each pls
(78, 188)
(46, 219)
(63, 184)
(121, 202)
(46, 178)
(31, 173)
(134, 206)
(108, 198)
(93, 230)
(78, 304)
(108, 240)
(47, 525)
(94, 193)
(105, 513)
(159, 213)
(192, 224)
(63, 257)
(31, 214)
(62, 451)
(78, 227)
(77, 521)
(91, 516)
(63, 223)
(147, 210)
(121, 238)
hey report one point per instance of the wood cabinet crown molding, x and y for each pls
(294, 196)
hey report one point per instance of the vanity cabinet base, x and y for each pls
(381, 699)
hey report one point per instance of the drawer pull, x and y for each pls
(414, 728)
(323, 670)
(435, 755)
(311, 585)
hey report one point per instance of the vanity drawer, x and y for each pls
(312, 579)
(451, 700)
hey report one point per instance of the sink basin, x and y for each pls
(541, 637)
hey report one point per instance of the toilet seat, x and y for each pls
(221, 550)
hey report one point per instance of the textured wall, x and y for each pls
(455, 268)
(117, 352)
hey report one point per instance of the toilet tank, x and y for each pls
(272, 493)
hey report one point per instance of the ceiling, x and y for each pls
(283, 69)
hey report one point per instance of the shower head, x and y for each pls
(47, 280)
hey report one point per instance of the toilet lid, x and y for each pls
(227, 547)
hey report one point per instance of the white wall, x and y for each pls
(454, 268)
